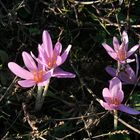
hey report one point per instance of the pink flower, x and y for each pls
(33, 76)
(120, 52)
(114, 96)
(127, 76)
(52, 58)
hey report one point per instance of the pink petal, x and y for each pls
(47, 43)
(131, 74)
(111, 71)
(129, 61)
(107, 95)
(46, 78)
(58, 61)
(115, 88)
(40, 60)
(125, 39)
(58, 48)
(65, 54)
(110, 51)
(29, 62)
(41, 51)
(59, 73)
(128, 110)
(106, 105)
(116, 44)
(19, 71)
(44, 83)
(48, 75)
(132, 50)
(27, 83)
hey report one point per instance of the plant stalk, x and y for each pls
(42, 91)
(115, 119)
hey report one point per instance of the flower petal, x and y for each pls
(58, 48)
(44, 83)
(48, 75)
(105, 105)
(116, 44)
(40, 60)
(47, 43)
(46, 78)
(58, 61)
(65, 54)
(59, 73)
(107, 95)
(125, 39)
(129, 61)
(19, 71)
(128, 110)
(29, 62)
(132, 50)
(110, 51)
(115, 88)
(111, 71)
(131, 74)
(27, 83)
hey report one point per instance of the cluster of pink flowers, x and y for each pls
(124, 74)
(40, 69)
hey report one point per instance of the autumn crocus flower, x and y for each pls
(52, 58)
(35, 75)
(120, 52)
(127, 76)
(114, 96)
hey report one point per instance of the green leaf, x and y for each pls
(119, 137)
(3, 57)
(34, 31)
(135, 100)
(3, 77)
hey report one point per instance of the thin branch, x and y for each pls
(128, 125)
(11, 85)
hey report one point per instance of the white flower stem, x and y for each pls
(40, 97)
(115, 119)
(118, 68)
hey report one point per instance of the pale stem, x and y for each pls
(41, 96)
(38, 98)
(118, 68)
(115, 119)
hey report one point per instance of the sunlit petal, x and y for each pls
(65, 54)
(57, 48)
(59, 73)
(132, 50)
(47, 43)
(27, 83)
(116, 44)
(29, 62)
(110, 51)
(107, 95)
(125, 39)
(19, 71)
(115, 88)
(105, 105)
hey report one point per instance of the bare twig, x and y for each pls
(128, 125)
(11, 85)
(112, 133)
